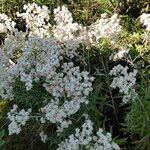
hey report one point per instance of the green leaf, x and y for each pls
(2, 133)
(2, 143)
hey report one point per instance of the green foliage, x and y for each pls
(2, 134)
(30, 99)
(131, 7)
(138, 119)
(84, 11)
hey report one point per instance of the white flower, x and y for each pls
(36, 18)
(145, 20)
(124, 81)
(6, 24)
(120, 54)
(80, 138)
(104, 28)
(73, 34)
(2, 28)
(85, 138)
(43, 137)
(17, 119)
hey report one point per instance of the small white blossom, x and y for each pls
(36, 18)
(120, 54)
(145, 20)
(86, 138)
(17, 119)
(43, 137)
(6, 23)
(79, 138)
(124, 81)
(104, 28)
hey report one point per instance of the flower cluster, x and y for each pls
(66, 31)
(8, 52)
(43, 58)
(124, 81)
(121, 54)
(145, 20)
(71, 84)
(36, 18)
(79, 138)
(104, 28)
(17, 119)
(85, 138)
(39, 56)
(74, 34)
(58, 114)
(10, 48)
(6, 24)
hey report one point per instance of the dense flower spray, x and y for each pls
(124, 81)
(45, 52)
(85, 138)
(36, 18)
